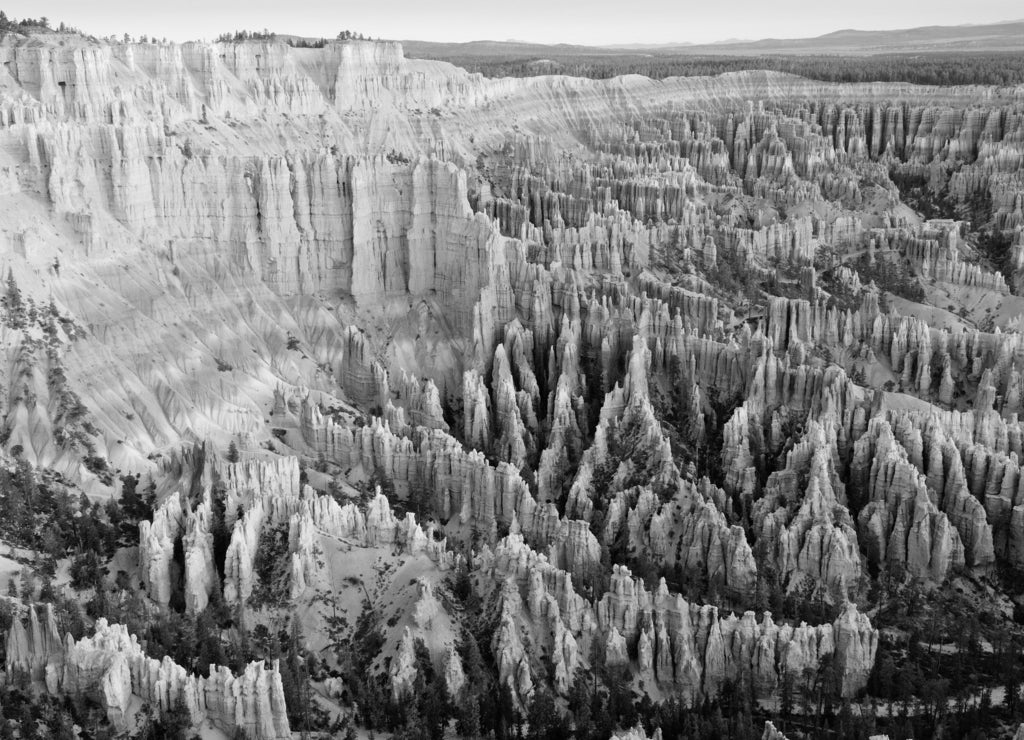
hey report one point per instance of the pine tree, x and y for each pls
(208, 646)
(294, 678)
(468, 722)
(232, 452)
(542, 717)
(786, 694)
(15, 305)
(99, 605)
(134, 506)
(581, 707)
(1012, 682)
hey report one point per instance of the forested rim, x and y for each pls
(960, 68)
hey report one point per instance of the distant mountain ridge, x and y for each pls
(1006, 36)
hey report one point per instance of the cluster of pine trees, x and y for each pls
(997, 68)
(26, 25)
(299, 42)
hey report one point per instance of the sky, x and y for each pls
(542, 21)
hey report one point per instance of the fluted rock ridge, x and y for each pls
(156, 547)
(899, 523)
(770, 733)
(810, 533)
(110, 666)
(459, 482)
(637, 733)
(33, 650)
(688, 647)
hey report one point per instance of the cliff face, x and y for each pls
(89, 81)
(288, 220)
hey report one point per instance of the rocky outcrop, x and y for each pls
(899, 523)
(252, 479)
(770, 733)
(201, 579)
(403, 668)
(268, 494)
(32, 651)
(156, 548)
(460, 483)
(422, 402)
(936, 254)
(266, 491)
(377, 526)
(687, 647)
(809, 532)
(637, 733)
(454, 675)
(689, 532)
(240, 559)
(111, 667)
(513, 661)
(707, 649)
